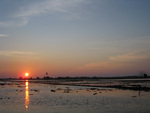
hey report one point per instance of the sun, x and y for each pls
(26, 74)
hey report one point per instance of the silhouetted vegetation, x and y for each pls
(37, 78)
(141, 74)
(30, 78)
(47, 78)
(145, 75)
(94, 77)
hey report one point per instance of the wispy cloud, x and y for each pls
(131, 56)
(15, 53)
(129, 61)
(23, 15)
(14, 22)
(49, 6)
(3, 35)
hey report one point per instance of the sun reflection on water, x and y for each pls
(27, 96)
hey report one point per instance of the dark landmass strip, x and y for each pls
(77, 78)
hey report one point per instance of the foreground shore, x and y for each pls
(75, 96)
(124, 84)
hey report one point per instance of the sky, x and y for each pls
(74, 37)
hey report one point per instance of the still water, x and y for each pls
(26, 97)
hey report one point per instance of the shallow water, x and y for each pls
(26, 97)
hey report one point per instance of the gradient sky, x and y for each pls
(74, 37)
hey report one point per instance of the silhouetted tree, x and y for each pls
(47, 77)
(30, 78)
(37, 77)
(143, 74)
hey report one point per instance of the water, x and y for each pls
(26, 97)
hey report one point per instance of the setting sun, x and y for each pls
(26, 74)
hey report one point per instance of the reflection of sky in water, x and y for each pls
(15, 99)
(27, 95)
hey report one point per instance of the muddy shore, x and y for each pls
(124, 84)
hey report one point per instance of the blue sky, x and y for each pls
(74, 37)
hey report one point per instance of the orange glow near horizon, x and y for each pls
(26, 96)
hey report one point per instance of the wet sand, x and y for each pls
(74, 96)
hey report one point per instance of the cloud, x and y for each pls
(6, 23)
(131, 56)
(16, 22)
(3, 35)
(132, 61)
(48, 6)
(15, 53)
(24, 13)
